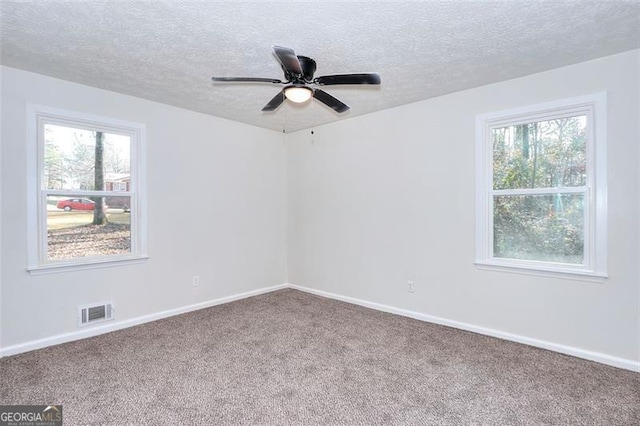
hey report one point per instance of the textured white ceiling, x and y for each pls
(166, 51)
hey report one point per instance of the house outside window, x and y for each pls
(77, 162)
(541, 188)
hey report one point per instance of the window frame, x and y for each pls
(594, 266)
(37, 117)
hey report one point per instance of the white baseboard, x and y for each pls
(113, 326)
(627, 364)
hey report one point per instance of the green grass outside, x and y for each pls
(74, 218)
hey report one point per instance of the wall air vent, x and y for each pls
(91, 314)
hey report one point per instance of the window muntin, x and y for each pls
(542, 187)
(71, 192)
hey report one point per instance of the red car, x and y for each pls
(76, 204)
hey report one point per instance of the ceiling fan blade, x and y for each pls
(245, 80)
(288, 59)
(330, 101)
(275, 102)
(366, 78)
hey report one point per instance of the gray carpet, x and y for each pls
(292, 358)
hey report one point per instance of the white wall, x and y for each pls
(371, 202)
(216, 208)
(381, 199)
(1, 204)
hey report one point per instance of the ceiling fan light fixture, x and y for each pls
(298, 94)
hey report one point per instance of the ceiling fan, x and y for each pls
(300, 83)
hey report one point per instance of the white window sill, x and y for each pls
(543, 271)
(55, 268)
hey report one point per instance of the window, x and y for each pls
(541, 188)
(76, 163)
(119, 186)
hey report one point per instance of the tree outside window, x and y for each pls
(549, 156)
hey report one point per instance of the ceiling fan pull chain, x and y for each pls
(284, 119)
(313, 115)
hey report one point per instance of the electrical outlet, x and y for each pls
(195, 280)
(411, 287)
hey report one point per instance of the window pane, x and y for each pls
(539, 227)
(71, 233)
(70, 159)
(542, 154)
